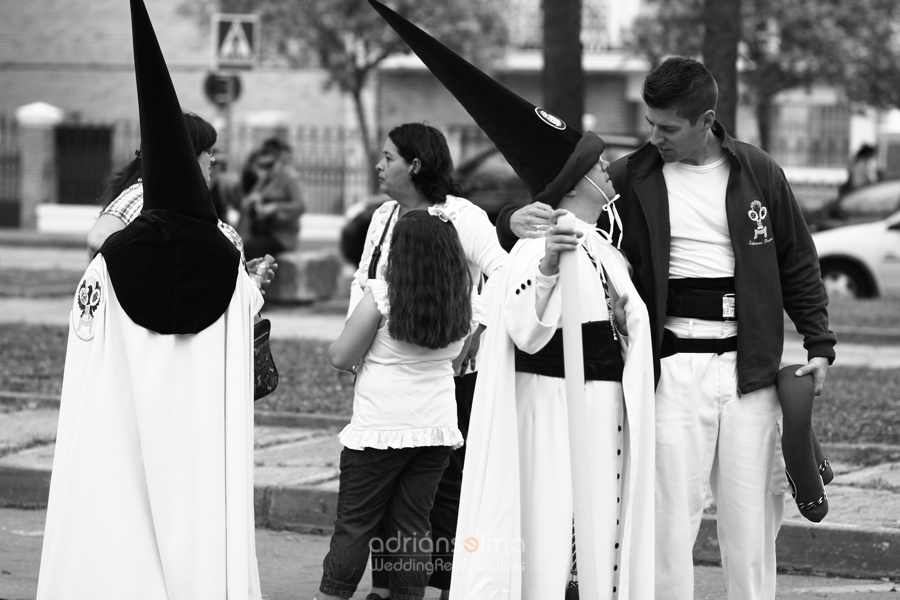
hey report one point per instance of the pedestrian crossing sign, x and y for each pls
(235, 41)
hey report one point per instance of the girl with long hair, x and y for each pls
(403, 335)
(416, 172)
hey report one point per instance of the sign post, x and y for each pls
(235, 40)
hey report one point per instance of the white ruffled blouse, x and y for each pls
(404, 395)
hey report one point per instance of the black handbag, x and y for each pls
(265, 374)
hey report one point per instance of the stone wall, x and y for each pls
(77, 55)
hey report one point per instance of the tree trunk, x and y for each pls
(562, 81)
(369, 150)
(722, 34)
(764, 120)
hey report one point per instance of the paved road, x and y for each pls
(290, 568)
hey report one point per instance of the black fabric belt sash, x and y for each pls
(671, 344)
(711, 299)
(602, 355)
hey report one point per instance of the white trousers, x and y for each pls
(708, 437)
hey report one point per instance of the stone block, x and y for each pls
(302, 509)
(305, 276)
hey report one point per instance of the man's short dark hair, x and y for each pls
(683, 84)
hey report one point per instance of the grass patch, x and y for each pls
(33, 358)
(306, 380)
(879, 483)
(865, 321)
(859, 405)
(875, 313)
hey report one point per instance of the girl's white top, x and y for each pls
(404, 395)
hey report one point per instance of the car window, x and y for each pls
(872, 202)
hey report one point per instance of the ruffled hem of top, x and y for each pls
(358, 439)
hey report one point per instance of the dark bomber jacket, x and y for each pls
(776, 265)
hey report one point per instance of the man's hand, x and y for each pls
(530, 221)
(818, 366)
(559, 239)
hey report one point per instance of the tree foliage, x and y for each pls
(562, 79)
(787, 44)
(349, 39)
(721, 38)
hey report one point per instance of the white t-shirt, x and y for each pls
(404, 396)
(700, 240)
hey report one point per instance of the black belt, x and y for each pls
(602, 355)
(671, 344)
(698, 298)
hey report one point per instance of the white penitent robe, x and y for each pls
(515, 517)
(151, 494)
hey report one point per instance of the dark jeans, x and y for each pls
(389, 492)
(445, 511)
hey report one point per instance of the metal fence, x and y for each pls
(811, 136)
(329, 161)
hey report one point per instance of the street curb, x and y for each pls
(24, 488)
(304, 510)
(840, 550)
(33, 239)
(300, 420)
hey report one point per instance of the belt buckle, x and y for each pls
(728, 306)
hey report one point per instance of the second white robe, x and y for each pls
(488, 558)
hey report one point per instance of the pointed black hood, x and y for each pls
(172, 269)
(546, 153)
(172, 176)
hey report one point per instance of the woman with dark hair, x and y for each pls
(123, 193)
(404, 334)
(416, 171)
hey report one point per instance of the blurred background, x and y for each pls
(811, 82)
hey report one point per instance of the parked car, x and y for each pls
(861, 260)
(865, 204)
(488, 180)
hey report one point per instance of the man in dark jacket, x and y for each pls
(716, 239)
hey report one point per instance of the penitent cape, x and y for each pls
(151, 494)
(487, 559)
